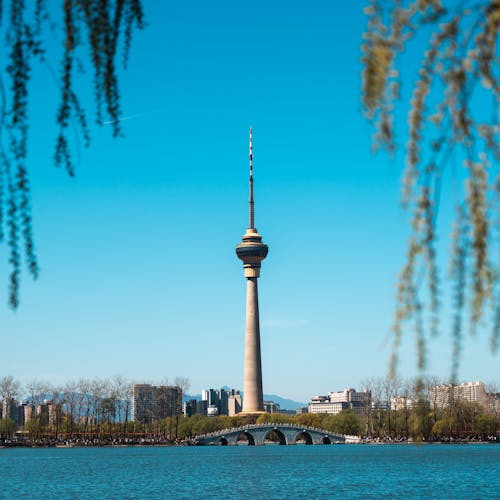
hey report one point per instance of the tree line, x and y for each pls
(98, 411)
(84, 409)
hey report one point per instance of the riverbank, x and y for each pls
(86, 443)
(145, 442)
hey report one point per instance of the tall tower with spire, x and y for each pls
(252, 252)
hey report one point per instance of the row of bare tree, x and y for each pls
(84, 407)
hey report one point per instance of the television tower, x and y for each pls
(252, 252)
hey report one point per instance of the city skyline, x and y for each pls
(121, 288)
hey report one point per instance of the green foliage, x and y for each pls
(7, 427)
(444, 428)
(35, 428)
(421, 422)
(345, 422)
(310, 419)
(486, 424)
(281, 418)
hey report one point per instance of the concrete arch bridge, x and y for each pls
(257, 434)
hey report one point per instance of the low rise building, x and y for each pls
(402, 403)
(271, 407)
(335, 402)
(212, 411)
(300, 410)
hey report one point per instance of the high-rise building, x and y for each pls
(234, 404)
(211, 396)
(142, 403)
(189, 408)
(201, 407)
(167, 401)
(443, 395)
(252, 252)
(42, 412)
(10, 410)
(28, 413)
(151, 403)
(217, 398)
(223, 399)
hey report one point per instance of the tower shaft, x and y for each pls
(253, 397)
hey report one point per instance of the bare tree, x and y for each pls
(55, 394)
(183, 383)
(367, 386)
(71, 398)
(9, 390)
(84, 404)
(122, 391)
(9, 387)
(98, 392)
(37, 391)
(390, 389)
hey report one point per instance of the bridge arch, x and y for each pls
(326, 440)
(281, 437)
(223, 441)
(304, 436)
(248, 437)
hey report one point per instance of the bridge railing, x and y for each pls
(243, 428)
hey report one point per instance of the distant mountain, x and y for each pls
(285, 404)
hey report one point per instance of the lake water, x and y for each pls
(343, 471)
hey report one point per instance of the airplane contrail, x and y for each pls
(130, 117)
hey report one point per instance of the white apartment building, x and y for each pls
(402, 403)
(494, 403)
(335, 402)
(441, 396)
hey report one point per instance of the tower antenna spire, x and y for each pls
(250, 198)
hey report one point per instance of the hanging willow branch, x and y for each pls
(98, 24)
(456, 75)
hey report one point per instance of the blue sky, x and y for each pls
(139, 275)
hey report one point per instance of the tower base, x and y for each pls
(255, 413)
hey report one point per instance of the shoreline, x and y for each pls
(191, 443)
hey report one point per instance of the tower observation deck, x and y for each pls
(252, 252)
